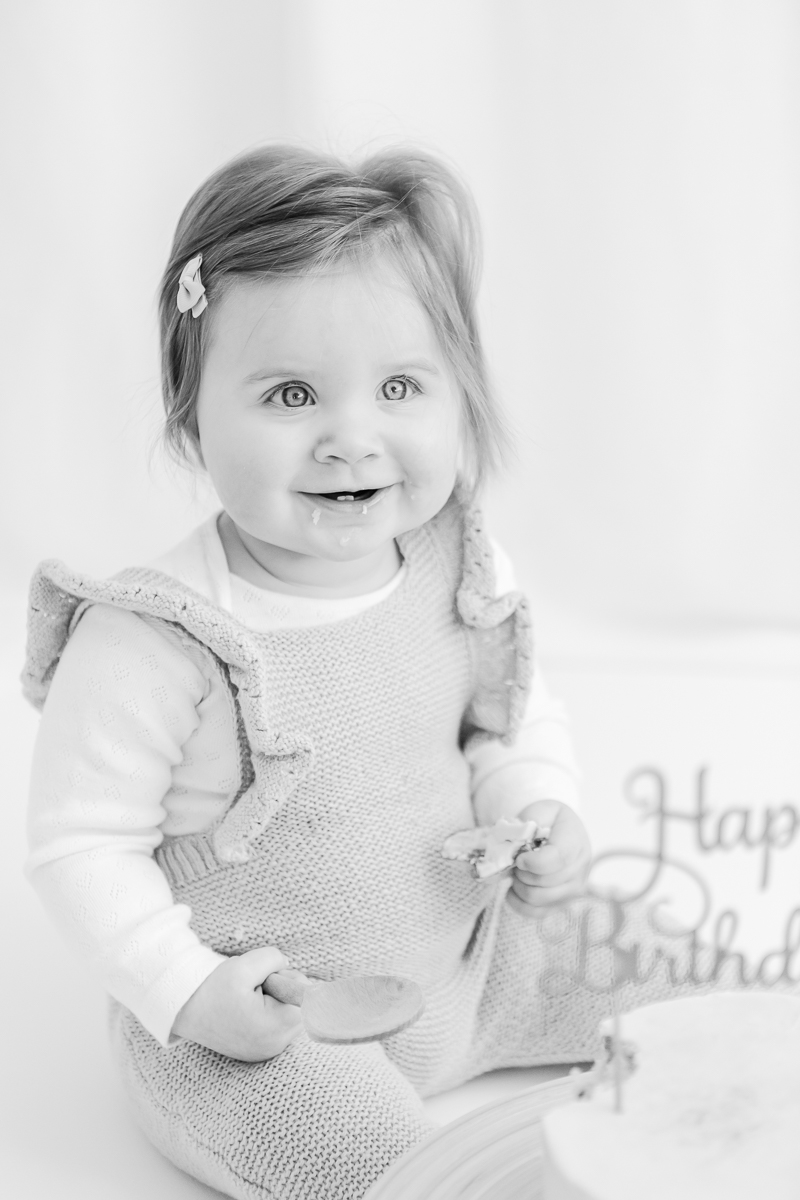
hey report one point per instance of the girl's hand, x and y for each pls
(230, 1014)
(557, 871)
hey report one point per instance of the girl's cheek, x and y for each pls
(432, 465)
(237, 479)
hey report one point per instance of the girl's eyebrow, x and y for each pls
(272, 373)
(421, 364)
(395, 368)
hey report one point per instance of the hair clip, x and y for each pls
(191, 293)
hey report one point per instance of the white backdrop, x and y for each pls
(637, 166)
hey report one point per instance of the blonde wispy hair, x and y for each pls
(283, 210)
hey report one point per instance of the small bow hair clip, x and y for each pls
(191, 293)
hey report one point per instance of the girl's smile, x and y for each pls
(346, 503)
(329, 422)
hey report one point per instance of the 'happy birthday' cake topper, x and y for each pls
(697, 938)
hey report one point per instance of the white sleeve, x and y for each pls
(122, 704)
(540, 765)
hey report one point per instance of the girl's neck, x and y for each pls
(279, 570)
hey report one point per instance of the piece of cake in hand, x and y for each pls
(710, 1112)
(492, 849)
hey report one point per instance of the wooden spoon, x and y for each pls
(358, 1008)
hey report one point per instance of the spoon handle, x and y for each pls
(288, 986)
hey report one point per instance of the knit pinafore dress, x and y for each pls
(353, 773)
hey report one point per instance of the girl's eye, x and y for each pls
(292, 395)
(398, 388)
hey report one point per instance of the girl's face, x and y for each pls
(328, 417)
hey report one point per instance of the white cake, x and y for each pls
(710, 1112)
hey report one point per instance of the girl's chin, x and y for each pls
(347, 545)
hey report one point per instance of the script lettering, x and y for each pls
(646, 789)
(607, 956)
(627, 937)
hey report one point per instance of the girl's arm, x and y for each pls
(122, 707)
(536, 778)
(539, 766)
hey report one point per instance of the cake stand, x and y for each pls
(493, 1153)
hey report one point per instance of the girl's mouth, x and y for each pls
(355, 503)
(342, 497)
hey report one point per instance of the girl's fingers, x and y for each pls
(543, 861)
(288, 986)
(542, 897)
(567, 874)
(283, 1020)
(530, 863)
(253, 967)
(568, 847)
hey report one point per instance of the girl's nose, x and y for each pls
(351, 437)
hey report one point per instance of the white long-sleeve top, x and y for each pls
(138, 741)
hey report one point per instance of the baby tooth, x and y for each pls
(315, 516)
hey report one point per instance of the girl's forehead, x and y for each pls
(369, 300)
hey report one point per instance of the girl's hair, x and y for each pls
(282, 210)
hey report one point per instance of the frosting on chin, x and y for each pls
(711, 1112)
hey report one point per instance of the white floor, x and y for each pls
(64, 1130)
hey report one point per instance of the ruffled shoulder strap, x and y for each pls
(278, 760)
(498, 627)
(500, 638)
(59, 595)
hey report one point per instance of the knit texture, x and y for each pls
(275, 758)
(353, 773)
